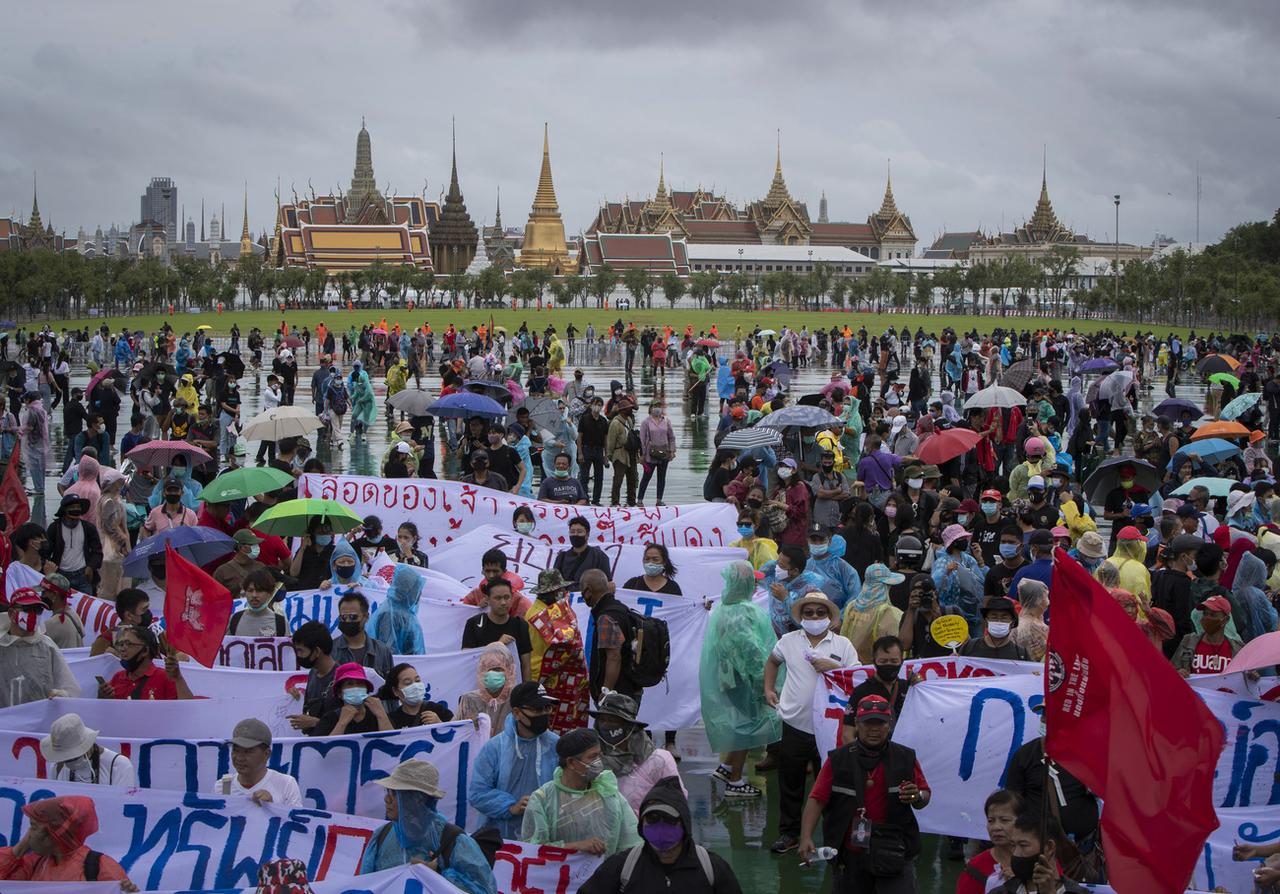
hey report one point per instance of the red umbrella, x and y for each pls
(292, 341)
(708, 342)
(949, 444)
(161, 453)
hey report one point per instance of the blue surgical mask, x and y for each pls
(990, 508)
(746, 530)
(414, 693)
(494, 680)
(323, 539)
(653, 569)
(1008, 550)
(962, 520)
(818, 550)
(354, 696)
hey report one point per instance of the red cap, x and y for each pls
(1129, 532)
(992, 494)
(26, 596)
(1216, 603)
(967, 506)
(873, 707)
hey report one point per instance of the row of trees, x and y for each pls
(1235, 283)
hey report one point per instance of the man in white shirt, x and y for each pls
(73, 750)
(807, 653)
(250, 750)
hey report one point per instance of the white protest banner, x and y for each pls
(334, 772)
(831, 695)
(1216, 870)
(441, 621)
(698, 568)
(97, 615)
(170, 840)
(444, 510)
(268, 653)
(522, 868)
(415, 878)
(198, 719)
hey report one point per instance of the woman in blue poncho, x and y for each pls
(363, 410)
(395, 621)
(344, 568)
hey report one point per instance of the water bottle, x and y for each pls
(822, 855)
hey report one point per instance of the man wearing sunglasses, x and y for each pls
(353, 645)
(74, 545)
(31, 666)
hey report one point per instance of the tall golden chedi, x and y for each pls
(544, 244)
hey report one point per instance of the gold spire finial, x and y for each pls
(778, 188)
(545, 198)
(888, 207)
(1043, 220)
(246, 244)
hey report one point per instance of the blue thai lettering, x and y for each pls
(144, 839)
(969, 750)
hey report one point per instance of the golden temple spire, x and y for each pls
(34, 222)
(778, 188)
(544, 243)
(661, 200)
(888, 207)
(544, 199)
(246, 244)
(1043, 220)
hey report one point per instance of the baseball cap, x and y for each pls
(1059, 531)
(992, 494)
(1035, 481)
(251, 732)
(1216, 603)
(968, 506)
(244, 535)
(531, 695)
(1188, 510)
(909, 545)
(873, 707)
(1040, 537)
(1129, 532)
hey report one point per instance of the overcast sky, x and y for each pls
(1128, 96)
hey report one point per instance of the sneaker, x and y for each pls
(741, 789)
(784, 844)
(722, 773)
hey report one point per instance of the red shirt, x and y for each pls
(272, 551)
(983, 864)
(875, 792)
(158, 686)
(1211, 659)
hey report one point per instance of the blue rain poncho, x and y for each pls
(737, 643)
(342, 549)
(416, 833)
(725, 384)
(1251, 577)
(841, 581)
(363, 410)
(395, 621)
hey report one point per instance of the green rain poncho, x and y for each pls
(738, 642)
(557, 815)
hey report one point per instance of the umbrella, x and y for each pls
(1217, 487)
(1218, 363)
(1220, 430)
(161, 453)
(810, 400)
(411, 401)
(1018, 374)
(748, 438)
(243, 483)
(1099, 364)
(232, 363)
(466, 403)
(805, 417)
(767, 332)
(497, 390)
(98, 377)
(1106, 477)
(1259, 652)
(378, 330)
(1172, 408)
(202, 327)
(942, 446)
(1225, 379)
(293, 518)
(779, 371)
(502, 329)
(1240, 405)
(1210, 450)
(292, 341)
(995, 396)
(198, 544)
(708, 342)
(544, 412)
(1115, 384)
(8, 324)
(281, 422)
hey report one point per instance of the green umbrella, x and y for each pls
(294, 517)
(243, 483)
(1225, 379)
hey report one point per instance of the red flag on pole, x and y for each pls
(1124, 723)
(13, 496)
(196, 608)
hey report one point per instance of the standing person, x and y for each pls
(34, 431)
(113, 531)
(593, 431)
(579, 558)
(250, 753)
(359, 711)
(257, 617)
(609, 663)
(404, 689)
(53, 848)
(139, 679)
(495, 678)
(497, 625)
(657, 449)
(516, 762)
(628, 750)
(1171, 587)
(999, 617)
(271, 398)
(876, 834)
(395, 622)
(312, 645)
(993, 867)
(31, 666)
(74, 545)
(738, 641)
(558, 659)
(64, 626)
(73, 751)
(806, 653)
(619, 450)
(1211, 651)
(353, 644)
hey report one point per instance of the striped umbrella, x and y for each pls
(747, 438)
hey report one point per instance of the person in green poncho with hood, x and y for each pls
(580, 809)
(738, 641)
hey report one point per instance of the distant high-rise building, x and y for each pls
(160, 206)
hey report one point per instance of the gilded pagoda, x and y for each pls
(544, 244)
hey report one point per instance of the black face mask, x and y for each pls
(349, 628)
(306, 663)
(888, 672)
(538, 725)
(1023, 868)
(132, 664)
(755, 504)
(578, 541)
(145, 619)
(613, 735)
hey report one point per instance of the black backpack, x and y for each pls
(650, 650)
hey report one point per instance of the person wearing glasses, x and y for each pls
(140, 679)
(352, 645)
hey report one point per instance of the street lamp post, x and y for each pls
(1117, 267)
(741, 270)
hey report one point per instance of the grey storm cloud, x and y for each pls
(1128, 96)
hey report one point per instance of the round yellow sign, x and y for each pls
(949, 631)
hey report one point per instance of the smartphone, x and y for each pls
(101, 681)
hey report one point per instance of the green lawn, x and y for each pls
(702, 320)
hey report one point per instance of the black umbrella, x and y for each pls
(810, 400)
(232, 363)
(1216, 363)
(1106, 477)
(1018, 374)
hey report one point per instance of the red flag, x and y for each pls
(13, 496)
(196, 608)
(1123, 721)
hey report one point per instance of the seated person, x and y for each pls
(495, 678)
(497, 625)
(628, 751)
(360, 711)
(404, 688)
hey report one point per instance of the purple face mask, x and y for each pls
(663, 836)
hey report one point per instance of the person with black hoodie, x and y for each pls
(669, 859)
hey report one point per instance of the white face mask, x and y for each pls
(784, 473)
(915, 483)
(998, 629)
(815, 626)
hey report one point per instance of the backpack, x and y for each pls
(338, 401)
(488, 838)
(650, 650)
(282, 625)
(633, 857)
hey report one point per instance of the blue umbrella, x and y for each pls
(1217, 487)
(198, 544)
(1172, 408)
(1099, 364)
(461, 404)
(1240, 405)
(1210, 450)
(779, 371)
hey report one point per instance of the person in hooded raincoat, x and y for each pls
(395, 621)
(416, 831)
(1246, 588)
(187, 393)
(495, 678)
(1130, 560)
(363, 408)
(841, 581)
(32, 667)
(344, 568)
(53, 848)
(725, 384)
(628, 750)
(869, 614)
(738, 641)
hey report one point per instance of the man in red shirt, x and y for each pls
(865, 796)
(141, 679)
(1211, 651)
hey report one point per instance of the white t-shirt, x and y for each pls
(795, 702)
(113, 769)
(283, 788)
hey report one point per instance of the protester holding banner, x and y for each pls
(497, 625)
(581, 557)
(139, 679)
(999, 618)
(31, 665)
(495, 678)
(312, 646)
(404, 689)
(360, 710)
(353, 644)
(250, 750)
(76, 756)
(515, 762)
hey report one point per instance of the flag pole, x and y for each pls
(1044, 746)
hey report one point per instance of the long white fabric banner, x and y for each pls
(537, 869)
(412, 879)
(334, 773)
(444, 510)
(206, 718)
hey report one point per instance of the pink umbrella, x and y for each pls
(99, 376)
(161, 453)
(1261, 651)
(517, 393)
(379, 331)
(292, 341)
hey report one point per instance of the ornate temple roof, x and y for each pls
(778, 193)
(455, 229)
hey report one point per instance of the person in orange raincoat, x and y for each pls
(53, 849)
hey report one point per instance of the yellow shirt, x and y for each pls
(759, 551)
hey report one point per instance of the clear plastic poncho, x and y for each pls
(738, 641)
(395, 621)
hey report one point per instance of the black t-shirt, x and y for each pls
(1045, 515)
(369, 548)
(670, 588)
(314, 567)
(977, 647)
(999, 576)
(895, 695)
(987, 535)
(325, 727)
(480, 631)
(401, 720)
(1171, 591)
(505, 461)
(713, 488)
(593, 430)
